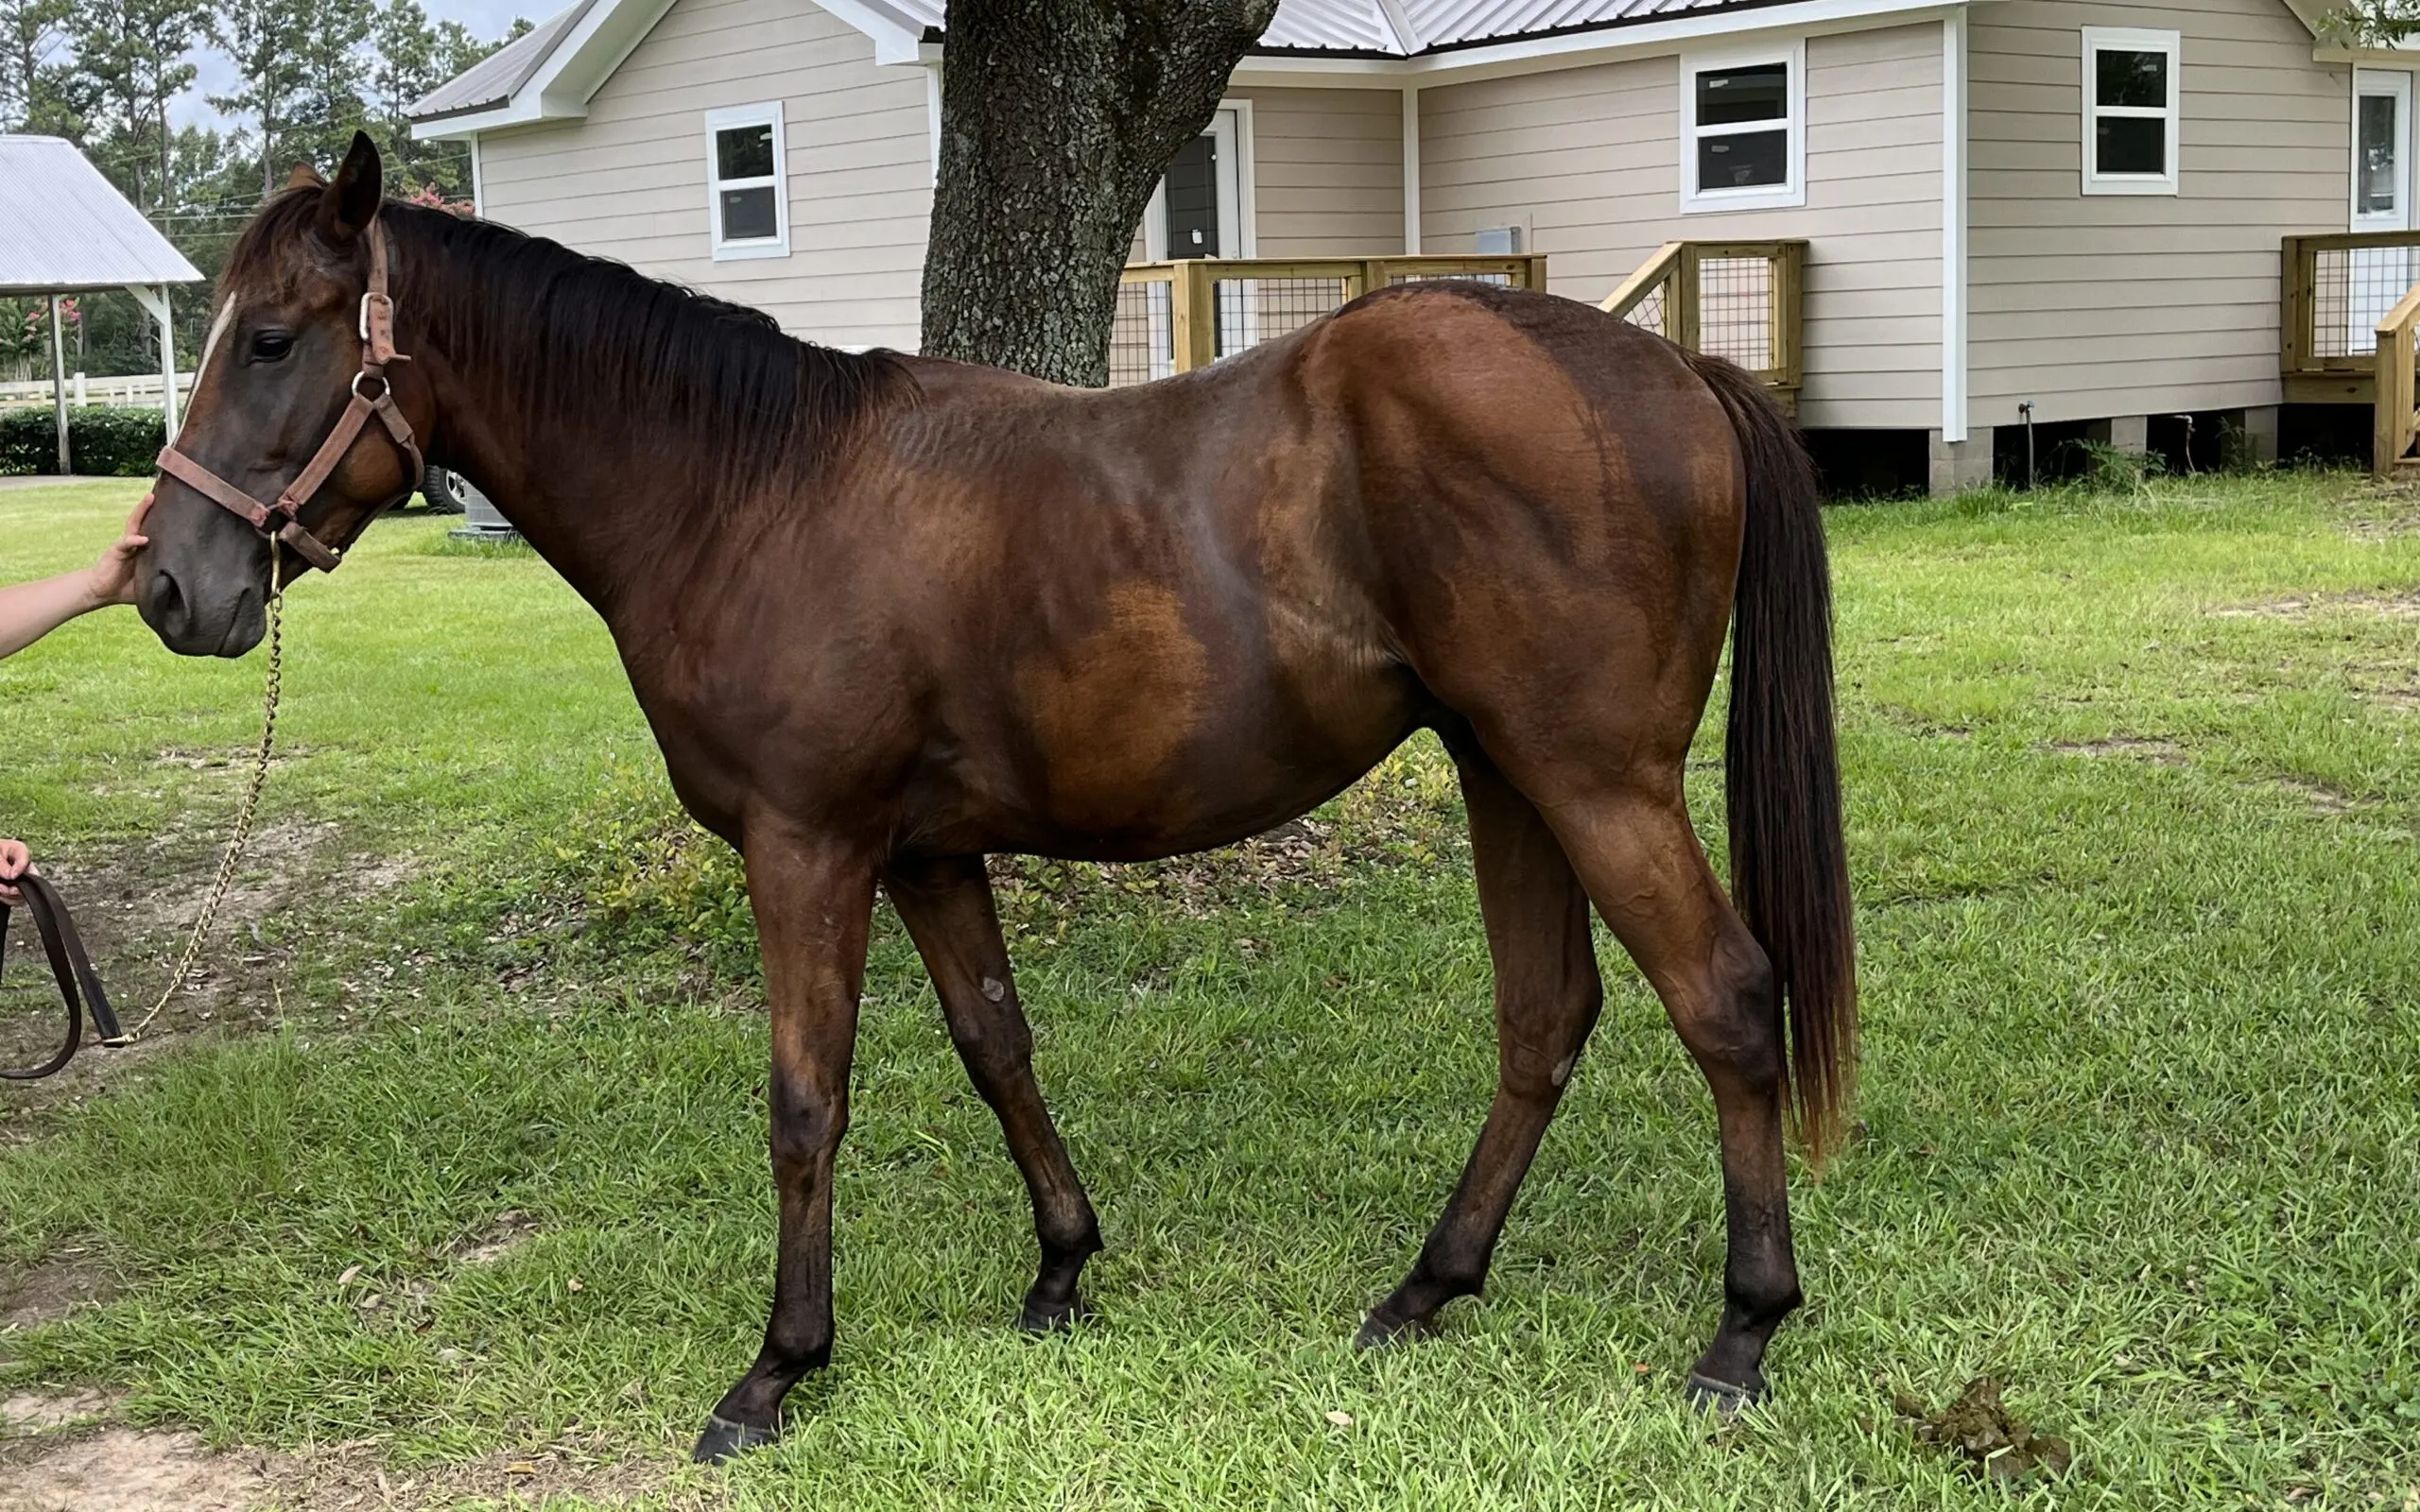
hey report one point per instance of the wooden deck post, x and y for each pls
(1195, 296)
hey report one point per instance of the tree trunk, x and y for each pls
(1058, 117)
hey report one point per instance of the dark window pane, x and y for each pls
(744, 152)
(747, 216)
(1744, 160)
(2131, 144)
(2133, 79)
(1760, 92)
(2380, 180)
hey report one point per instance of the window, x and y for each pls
(1743, 131)
(747, 193)
(2130, 110)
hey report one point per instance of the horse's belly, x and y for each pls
(1150, 740)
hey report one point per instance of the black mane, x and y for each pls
(575, 337)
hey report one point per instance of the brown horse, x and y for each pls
(886, 614)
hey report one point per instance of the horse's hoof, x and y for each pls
(1721, 1398)
(725, 1440)
(1376, 1334)
(1053, 1318)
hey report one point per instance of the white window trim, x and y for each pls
(767, 113)
(2131, 40)
(1244, 212)
(1697, 201)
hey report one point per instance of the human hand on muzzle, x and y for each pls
(14, 862)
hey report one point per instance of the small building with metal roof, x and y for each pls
(64, 229)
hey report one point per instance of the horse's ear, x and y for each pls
(348, 203)
(303, 177)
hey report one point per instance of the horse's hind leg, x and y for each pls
(1547, 996)
(946, 905)
(1642, 864)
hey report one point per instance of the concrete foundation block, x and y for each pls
(1956, 467)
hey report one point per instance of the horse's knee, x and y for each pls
(1538, 1051)
(805, 1131)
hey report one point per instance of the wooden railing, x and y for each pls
(2348, 308)
(2395, 426)
(1178, 316)
(2334, 289)
(1744, 300)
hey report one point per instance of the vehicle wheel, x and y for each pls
(442, 490)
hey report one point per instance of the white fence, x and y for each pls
(125, 388)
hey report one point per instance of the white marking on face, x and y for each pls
(218, 324)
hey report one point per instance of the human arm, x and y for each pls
(13, 864)
(28, 611)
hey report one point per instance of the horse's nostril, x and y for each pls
(169, 612)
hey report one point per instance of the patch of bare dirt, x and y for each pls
(126, 1469)
(2158, 753)
(68, 1278)
(2395, 606)
(512, 1230)
(157, 1469)
(32, 1412)
(349, 1478)
(1977, 1430)
(136, 909)
(2322, 799)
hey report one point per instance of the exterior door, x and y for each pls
(2382, 181)
(1197, 211)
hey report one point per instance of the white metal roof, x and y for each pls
(62, 226)
(561, 62)
(493, 78)
(1404, 28)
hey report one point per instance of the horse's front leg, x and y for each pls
(813, 898)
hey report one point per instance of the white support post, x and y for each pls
(1411, 170)
(167, 366)
(156, 301)
(59, 383)
(1953, 227)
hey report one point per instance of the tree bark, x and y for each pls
(1058, 118)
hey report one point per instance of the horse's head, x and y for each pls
(283, 361)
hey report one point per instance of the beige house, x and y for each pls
(2072, 205)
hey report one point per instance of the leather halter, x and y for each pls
(282, 521)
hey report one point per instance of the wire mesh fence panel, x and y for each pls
(2353, 288)
(1735, 310)
(1501, 280)
(1649, 311)
(1254, 310)
(1142, 335)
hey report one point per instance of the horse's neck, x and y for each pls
(598, 503)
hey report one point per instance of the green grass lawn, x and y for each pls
(2132, 788)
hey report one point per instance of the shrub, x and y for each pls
(103, 440)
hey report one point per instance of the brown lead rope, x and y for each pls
(78, 984)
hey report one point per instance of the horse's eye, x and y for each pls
(272, 346)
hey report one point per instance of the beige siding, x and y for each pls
(1329, 164)
(1587, 160)
(630, 181)
(2095, 306)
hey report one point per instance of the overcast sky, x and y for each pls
(487, 19)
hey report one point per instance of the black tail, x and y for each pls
(1789, 866)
